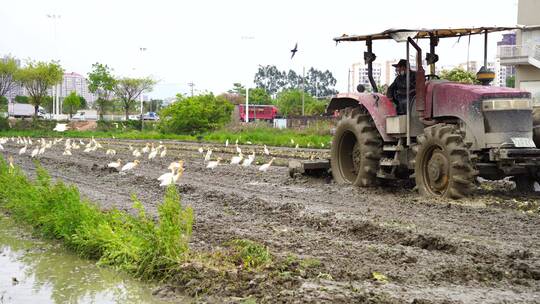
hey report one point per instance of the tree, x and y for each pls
(316, 107)
(9, 74)
(102, 83)
(259, 96)
(153, 105)
(38, 78)
(21, 99)
(459, 75)
(233, 98)
(319, 83)
(84, 103)
(3, 103)
(293, 81)
(72, 102)
(128, 90)
(195, 114)
(270, 78)
(238, 88)
(316, 82)
(289, 102)
(47, 104)
(511, 81)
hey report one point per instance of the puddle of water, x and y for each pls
(36, 271)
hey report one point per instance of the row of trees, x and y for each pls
(38, 77)
(126, 89)
(317, 83)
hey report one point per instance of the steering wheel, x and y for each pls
(432, 76)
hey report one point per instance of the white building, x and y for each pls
(525, 54)
(359, 75)
(74, 82)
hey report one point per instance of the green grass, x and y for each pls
(256, 135)
(250, 254)
(136, 244)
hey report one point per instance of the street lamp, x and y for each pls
(142, 50)
(247, 38)
(56, 103)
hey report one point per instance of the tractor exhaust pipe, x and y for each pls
(420, 79)
(369, 57)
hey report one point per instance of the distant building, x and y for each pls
(389, 71)
(524, 53)
(73, 82)
(359, 73)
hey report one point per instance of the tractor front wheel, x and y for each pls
(442, 164)
(356, 149)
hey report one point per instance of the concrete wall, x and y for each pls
(527, 73)
(528, 12)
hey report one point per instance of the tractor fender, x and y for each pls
(378, 106)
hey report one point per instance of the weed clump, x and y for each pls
(250, 254)
(137, 244)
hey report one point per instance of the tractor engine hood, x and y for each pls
(492, 116)
(449, 98)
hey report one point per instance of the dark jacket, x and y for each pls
(397, 90)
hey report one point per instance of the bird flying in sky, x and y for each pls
(293, 51)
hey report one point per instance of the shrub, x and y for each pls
(4, 123)
(195, 114)
(459, 75)
(289, 102)
(133, 243)
(250, 254)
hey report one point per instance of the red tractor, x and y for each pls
(450, 132)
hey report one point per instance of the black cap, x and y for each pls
(401, 63)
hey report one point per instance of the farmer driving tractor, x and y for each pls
(397, 91)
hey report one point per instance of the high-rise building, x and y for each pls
(74, 82)
(359, 73)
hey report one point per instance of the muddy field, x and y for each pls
(374, 245)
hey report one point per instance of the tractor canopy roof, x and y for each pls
(401, 35)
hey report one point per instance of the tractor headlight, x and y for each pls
(507, 104)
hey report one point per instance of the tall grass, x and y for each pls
(137, 244)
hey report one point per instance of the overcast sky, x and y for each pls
(216, 43)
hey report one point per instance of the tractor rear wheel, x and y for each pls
(356, 149)
(524, 183)
(442, 164)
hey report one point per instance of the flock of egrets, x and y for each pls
(150, 151)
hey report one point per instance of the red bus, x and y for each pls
(258, 112)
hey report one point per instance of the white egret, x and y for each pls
(264, 168)
(213, 164)
(130, 165)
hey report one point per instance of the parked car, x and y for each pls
(78, 116)
(134, 117)
(150, 116)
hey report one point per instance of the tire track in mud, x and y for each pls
(354, 232)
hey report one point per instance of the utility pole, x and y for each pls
(303, 87)
(142, 50)
(247, 104)
(247, 39)
(191, 85)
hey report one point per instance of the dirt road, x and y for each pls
(375, 245)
